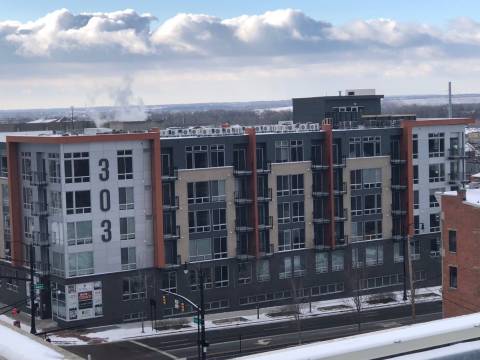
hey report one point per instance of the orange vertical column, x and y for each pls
(329, 157)
(157, 201)
(254, 245)
(14, 182)
(407, 152)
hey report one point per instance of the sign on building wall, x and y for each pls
(84, 301)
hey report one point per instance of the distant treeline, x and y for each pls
(432, 111)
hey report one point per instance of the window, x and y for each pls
(415, 249)
(80, 263)
(452, 240)
(127, 228)
(125, 164)
(338, 260)
(416, 199)
(356, 258)
(217, 190)
(240, 159)
(283, 187)
(357, 231)
(285, 268)
(433, 200)
(58, 263)
(296, 150)
(129, 258)
(436, 172)
(436, 145)
(416, 224)
(198, 221)
(373, 230)
(356, 205)
(415, 174)
(398, 250)
(54, 168)
(220, 247)
(125, 198)
(356, 179)
(283, 213)
(284, 240)
(298, 211)
(26, 165)
(198, 192)
(298, 238)
(355, 147)
(263, 270)
(221, 276)
(169, 281)
(453, 277)
(381, 281)
(281, 151)
(321, 262)
(374, 254)
(133, 288)
(79, 233)
(27, 198)
(217, 155)
(434, 222)
(298, 265)
(3, 166)
(372, 178)
(415, 146)
(197, 156)
(200, 249)
(373, 204)
(219, 219)
(77, 167)
(371, 145)
(56, 201)
(78, 202)
(244, 273)
(28, 227)
(297, 184)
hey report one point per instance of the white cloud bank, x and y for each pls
(100, 46)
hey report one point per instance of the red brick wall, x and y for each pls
(465, 219)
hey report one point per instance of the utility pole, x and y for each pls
(202, 317)
(33, 329)
(410, 278)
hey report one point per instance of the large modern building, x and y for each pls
(268, 213)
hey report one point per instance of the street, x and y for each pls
(236, 341)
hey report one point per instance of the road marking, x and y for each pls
(264, 341)
(156, 350)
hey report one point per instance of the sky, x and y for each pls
(84, 53)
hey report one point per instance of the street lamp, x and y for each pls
(200, 313)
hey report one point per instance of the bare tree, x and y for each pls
(296, 308)
(357, 297)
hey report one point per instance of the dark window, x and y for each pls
(78, 202)
(415, 174)
(436, 145)
(415, 146)
(77, 168)
(356, 205)
(221, 276)
(197, 156)
(217, 154)
(296, 150)
(434, 222)
(453, 276)
(452, 240)
(219, 247)
(416, 199)
(125, 164)
(355, 147)
(240, 159)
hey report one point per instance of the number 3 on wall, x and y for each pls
(107, 230)
(104, 175)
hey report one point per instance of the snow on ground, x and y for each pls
(17, 346)
(232, 319)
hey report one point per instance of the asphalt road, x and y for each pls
(236, 341)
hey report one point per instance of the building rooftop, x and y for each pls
(472, 196)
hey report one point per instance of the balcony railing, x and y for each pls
(341, 241)
(320, 245)
(319, 194)
(396, 184)
(399, 210)
(40, 238)
(456, 177)
(266, 223)
(38, 178)
(342, 216)
(319, 166)
(340, 162)
(172, 204)
(321, 219)
(267, 250)
(340, 189)
(241, 171)
(173, 234)
(241, 226)
(39, 209)
(456, 153)
(170, 175)
(175, 262)
(265, 195)
(241, 198)
(265, 168)
(397, 161)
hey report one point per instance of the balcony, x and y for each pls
(241, 253)
(398, 185)
(399, 210)
(319, 167)
(40, 238)
(241, 226)
(341, 241)
(266, 250)
(172, 204)
(456, 177)
(340, 163)
(241, 198)
(342, 216)
(241, 171)
(399, 237)
(38, 178)
(173, 234)
(321, 219)
(397, 161)
(265, 195)
(454, 154)
(174, 263)
(319, 194)
(39, 209)
(265, 168)
(266, 224)
(170, 175)
(321, 246)
(340, 189)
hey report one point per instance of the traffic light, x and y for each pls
(164, 300)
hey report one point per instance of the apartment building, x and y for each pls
(269, 214)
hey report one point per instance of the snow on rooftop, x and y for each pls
(472, 196)
(17, 346)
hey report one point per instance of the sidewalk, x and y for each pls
(24, 317)
(248, 317)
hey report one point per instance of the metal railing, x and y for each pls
(265, 195)
(38, 178)
(241, 198)
(39, 208)
(268, 224)
(172, 204)
(264, 168)
(172, 174)
(173, 234)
